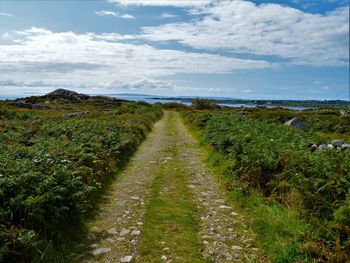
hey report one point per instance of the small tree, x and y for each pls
(204, 104)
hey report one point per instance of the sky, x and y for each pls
(256, 49)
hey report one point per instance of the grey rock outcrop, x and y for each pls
(337, 143)
(66, 94)
(77, 114)
(297, 124)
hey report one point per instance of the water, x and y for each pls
(146, 98)
(150, 99)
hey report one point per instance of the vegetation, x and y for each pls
(171, 225)
(53, 167)
(262, 158)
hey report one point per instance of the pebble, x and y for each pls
(236, 247)
(135, 233)
(164, 258)
(95, 229)
(110, 240)
(100, 251)
(124, 232)
(224, 207)
(112, 230)
(126, 259)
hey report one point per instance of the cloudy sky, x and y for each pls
(292, 49)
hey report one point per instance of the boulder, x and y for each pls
(297, 124)
(76, 114)
(345, 146)
(313, 147)
(66, 94)
(330, 146)
(322, 147)
(337, 143)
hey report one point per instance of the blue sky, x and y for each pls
(293, 49)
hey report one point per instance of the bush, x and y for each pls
(277, 161)
(204, 104)
(53, 167)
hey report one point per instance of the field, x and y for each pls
(276, 200)
(54, 163)
(297, 200)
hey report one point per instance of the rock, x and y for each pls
(297, 124)
(164, 258)
(343, 112)
(124, 232)
(224, 207)
(95, 229)
(236, 247)
(101, 250)
(110, 240)
(32, 106)
(126, 259)
(337, 143)
(135, 233)
(76, 114)
(313, 147)
(112, 231)
(134, 197)
(345, 146)
(66, 94)
(234, 214)
(220, 201)
(322, 147)
(330, 146)
(94, 246)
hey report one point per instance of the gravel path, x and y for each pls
(223, 232)
(115, 234)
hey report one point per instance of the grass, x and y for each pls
(170, 224)
(279, 230)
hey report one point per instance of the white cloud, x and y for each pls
(175, 3)
(106, 13)
(5, 14)
(115, 14)
(267, 29)
(127, 16)
(317, 82)
(145, 85)
(98, 60)
(168, 15)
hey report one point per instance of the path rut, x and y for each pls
(116, 234)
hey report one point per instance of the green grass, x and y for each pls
(171, 217)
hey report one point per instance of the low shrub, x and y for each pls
(53, 167)
(276, 161)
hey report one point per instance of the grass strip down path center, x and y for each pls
(171, 225)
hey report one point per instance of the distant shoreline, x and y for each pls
(222, 101)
